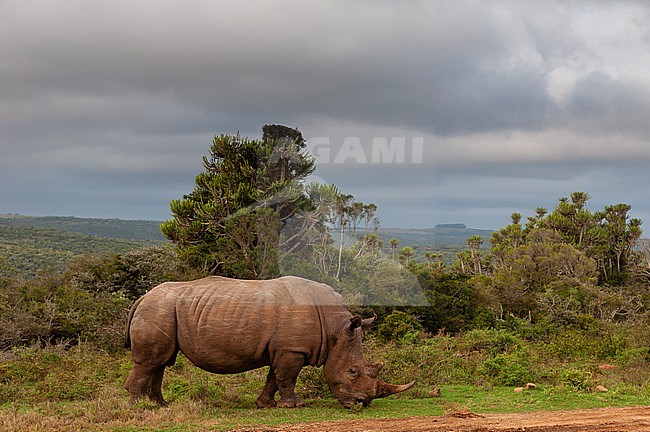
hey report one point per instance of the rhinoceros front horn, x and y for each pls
(384, 389)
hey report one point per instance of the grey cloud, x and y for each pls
(418, 65)
(600, 103)
(509, 96)
(435, 68)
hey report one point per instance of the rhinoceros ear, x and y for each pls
(355, 322)
(366, 323)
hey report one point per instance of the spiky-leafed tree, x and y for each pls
(230, 224)
(393, 246)
(405, 255)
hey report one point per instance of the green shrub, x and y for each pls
(49, 310)
(312, 384)
(578, 379)
(509, 369)
(430, 362)
(400, 327)
(634, 356)
(611, 346)
(491, 341)
(129, 274)
(580, 345)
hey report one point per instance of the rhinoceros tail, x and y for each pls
(127, 340)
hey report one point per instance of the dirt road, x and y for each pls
(634, 419)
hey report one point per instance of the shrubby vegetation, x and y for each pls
(86, 303)
(52, 309)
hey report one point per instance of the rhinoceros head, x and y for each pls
(351, 379)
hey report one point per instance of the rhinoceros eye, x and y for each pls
(352, 373)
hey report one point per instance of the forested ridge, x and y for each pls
(25, 250)
(31, 244)
(146, 230)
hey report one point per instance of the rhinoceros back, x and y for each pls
(228, 326)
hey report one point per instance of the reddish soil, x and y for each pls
(633, 419)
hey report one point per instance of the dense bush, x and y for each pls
(400, 327)
(511, 369)
(89, 302)
(130, 274)
(491, 341)
(50, 309)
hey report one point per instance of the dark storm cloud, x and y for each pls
(419, 64)
(508, 97)
(435, 68)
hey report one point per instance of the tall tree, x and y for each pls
(317, 224)
(507, 239)
(434, 259)
(622, 234)
(230, 224)
(405, 255)
(341, 221)
(471, 259)
(393, 246)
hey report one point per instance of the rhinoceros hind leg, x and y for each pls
(156, 387)
(267, 398)
(146, 381)
(286, 371)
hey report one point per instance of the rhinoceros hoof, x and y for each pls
(291, 404)
(266, 403)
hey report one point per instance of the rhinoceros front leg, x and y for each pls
(286, 370)
(267, 398)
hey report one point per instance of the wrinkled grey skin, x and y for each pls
(228, 326)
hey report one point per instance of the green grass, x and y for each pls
(498, 399)
(110, 410)
(81, 388)
(504, 399)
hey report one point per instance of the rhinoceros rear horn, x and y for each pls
(384, 389)
(372, 369)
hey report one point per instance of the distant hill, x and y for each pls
(111, 228)
(443, 235)
(29, 246)
(453, 234)
(448, 239)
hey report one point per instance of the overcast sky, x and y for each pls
(437, 111)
